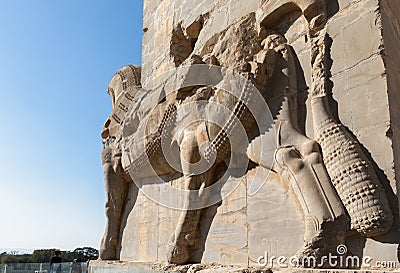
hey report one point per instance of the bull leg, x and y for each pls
(116, 191)
(185, 234)
(326, 220)
(300, 162)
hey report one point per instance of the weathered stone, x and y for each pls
(290, 149)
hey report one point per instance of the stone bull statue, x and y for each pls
(321, 183)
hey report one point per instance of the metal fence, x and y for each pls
(43, 268)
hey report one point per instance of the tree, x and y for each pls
(84, 253)
(42, 255)
(45, 255)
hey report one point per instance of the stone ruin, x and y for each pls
(254, 129)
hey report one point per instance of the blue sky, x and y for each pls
(56, 59)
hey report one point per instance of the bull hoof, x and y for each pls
(177, 254)
(108, 249)
(107, 254)
(315, 253)
(309, 256)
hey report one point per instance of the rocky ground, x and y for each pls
(206, 268)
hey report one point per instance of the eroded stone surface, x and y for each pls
(98, 267)
(326, 70)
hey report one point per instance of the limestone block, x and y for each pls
(353, 38)
(140, 238)
(275, 222)
(356, 68)
(168, 219)
(226, 237)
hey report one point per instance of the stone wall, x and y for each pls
(390, 11)
(358, 70)
(365, 77)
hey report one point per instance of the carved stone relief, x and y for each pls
(332, 178)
